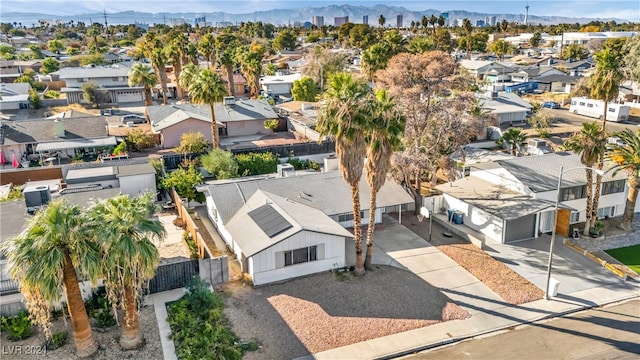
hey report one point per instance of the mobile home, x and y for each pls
(595, 108)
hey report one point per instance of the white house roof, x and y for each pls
(494, 199)
(286, 216)
(280, 79)
(325, 191)
(116, 70)
(75, 144)
(504, 103)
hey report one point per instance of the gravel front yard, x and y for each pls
(108, 340)
(320, 312)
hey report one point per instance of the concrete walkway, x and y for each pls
(159, 301)
(399, 246)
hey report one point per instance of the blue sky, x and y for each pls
(627, 9)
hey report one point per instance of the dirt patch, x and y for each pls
(505, 282)
(108, 341)
(323, 311)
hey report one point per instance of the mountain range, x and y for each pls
(290, 16)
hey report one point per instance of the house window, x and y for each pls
(589, 105)
(349, 216)
(612, 187)
(572, 193)
(581, 103)
(299, 256)
(612, 110)
(606, 212)
(574, 217)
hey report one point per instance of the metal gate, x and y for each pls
(174, 276)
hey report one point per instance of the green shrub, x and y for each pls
(17, 327)
(99, 308)
(199, 328)
(57, 340)
(257, 163)
(51, 94)
(191, 243)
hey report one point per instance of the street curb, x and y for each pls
(594, 258)
(450, 341)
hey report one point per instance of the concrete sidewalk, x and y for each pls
(399, 246)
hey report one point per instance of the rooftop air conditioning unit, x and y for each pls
(229, 100)
(285, 170)
(36, 197)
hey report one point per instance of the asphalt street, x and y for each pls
(611, 332)
(564, 116)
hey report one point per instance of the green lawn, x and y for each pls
(629, 256)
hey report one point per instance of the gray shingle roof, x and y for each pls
(94, 72)
(42, 130)
(540, 173)
(326, 191)
(252, 239)
(163, 116)
(244, 110)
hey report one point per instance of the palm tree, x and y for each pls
(627, 157)
(130, 258)
(343, 117)
(207, 47)
(207, 88)
(590, 144)
(251, 66)
(513, 137)
(141, 75)
(226, 45)
(381, 20)
(153, 49)
(501, 48)
(43, 259)
(604, 84)
(175, 53)
(468, 28)
(385, 137)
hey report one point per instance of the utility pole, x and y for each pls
(106, 26)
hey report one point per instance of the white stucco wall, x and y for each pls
(268, 265)
(479, 220)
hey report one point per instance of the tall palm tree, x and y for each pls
(468, 28)
(627, 157)
(604, 84)
(385, 133)
(590, 144)
(141, 75)
(153, 49)
(43, 259)
(207, 88)
(226, 45)
(251, 66)
(513, 137)
(207, 47)
(129, 256)
(344, 117)
(175, 53)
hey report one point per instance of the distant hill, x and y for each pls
(289, 16)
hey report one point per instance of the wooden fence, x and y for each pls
(203, 251)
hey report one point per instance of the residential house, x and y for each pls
(113, 79)
(278, 84)
(10, 70)
(573, 67)
(14, 96)
(508, 107)
(301, 118)
(514, 199)
(234, 118)
(42, 138)
(480, 68)
(557, 83)
(239, 84)
(278, 238)
(630, 92)
(129, 177)
(327, 196)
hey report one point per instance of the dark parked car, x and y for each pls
(136, 119)
(551, 105)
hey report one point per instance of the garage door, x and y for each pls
(519, 229)
(129, 96)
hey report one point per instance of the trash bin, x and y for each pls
(553, 287)
(450, 214)
(458, 217)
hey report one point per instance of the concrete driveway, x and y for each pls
(574, 271)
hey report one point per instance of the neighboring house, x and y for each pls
(480, 68)
(37, 139)
(508, 107)
(14, 96)
(325, 192)
(131, 179)
(171, 121)
(630, 92)
(113, 79)
(575, 68)
(278, 84)
(278, 238)
(557, 83)
(510, 200)
(234, 118)
(239, 84)
(301, 118)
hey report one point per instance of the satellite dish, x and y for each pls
(424, 212)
